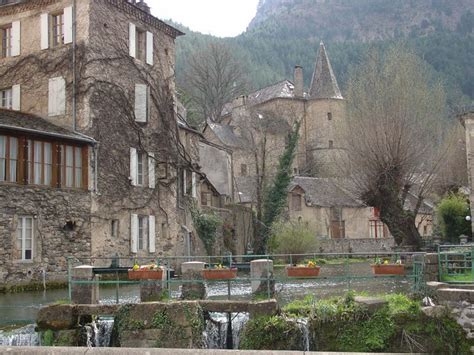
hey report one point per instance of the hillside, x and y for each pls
(287, 32)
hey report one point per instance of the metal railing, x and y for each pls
(456, 263)
(336, 268)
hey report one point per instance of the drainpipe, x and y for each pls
(96, 167)
(74, 109)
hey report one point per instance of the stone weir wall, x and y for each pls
(144, 325)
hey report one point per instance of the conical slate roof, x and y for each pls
(324, 83)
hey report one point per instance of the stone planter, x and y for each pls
(145, 274)
(219, 274)
(302, 271)
(388, 269)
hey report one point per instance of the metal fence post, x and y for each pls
(69, 278)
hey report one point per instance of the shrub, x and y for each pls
(452, 211)
(292, 238)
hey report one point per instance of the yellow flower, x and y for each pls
(385, 262)
(135, 267)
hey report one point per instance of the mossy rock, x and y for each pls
(271, 333)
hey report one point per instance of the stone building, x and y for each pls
(90, 153)
(255, 128)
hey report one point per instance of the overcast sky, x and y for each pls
(223, 18)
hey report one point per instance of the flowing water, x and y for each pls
(24, 336)
(216, 331)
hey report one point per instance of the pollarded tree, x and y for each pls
(394, 134)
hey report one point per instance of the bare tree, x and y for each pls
(214, 78)
(394, 134)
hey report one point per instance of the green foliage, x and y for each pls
(452, 211)
(47, 338)
(206, 225)
(300, 308)
(276, 196)
(271, 333)
(161, 320)
(401, 304)
(291, 238)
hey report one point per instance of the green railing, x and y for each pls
(336, 268)
(456, 263)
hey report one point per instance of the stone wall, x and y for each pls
(50, 209)
(356, 245)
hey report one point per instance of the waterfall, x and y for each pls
(304, 327)
(98, 332)
(215, 333)
(25, 336)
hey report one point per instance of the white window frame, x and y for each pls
(6, 98)
(22, 236)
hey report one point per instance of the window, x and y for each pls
(206, 198)
(40, 163)
(6, 97)
(57, 29)
(140, 169)
(142, 229)
(329, 116)
(8, 159)
(338, 229)
(296, 202)
(377, 229)
(71, 166)
(10, 98)
(331, 144)
(142, 232)
(140, 44)
(6, 33)
(25, 237)
(114, 228)
(243, 169)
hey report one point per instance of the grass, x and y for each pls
(463, 277)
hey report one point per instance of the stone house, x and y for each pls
(90, 152)
(467, 119)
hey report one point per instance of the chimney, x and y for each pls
(143, 5)
(298, 81)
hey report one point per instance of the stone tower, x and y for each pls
(325, 112)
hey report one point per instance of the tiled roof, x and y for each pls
(226, 134)
(282, 89)
(25, 122)
(324, 83)
(246, 189)
(325, 192)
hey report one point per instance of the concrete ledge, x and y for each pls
(455, 295)
(151, 351)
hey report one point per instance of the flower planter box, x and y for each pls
(145, 274)
(302, 271)
(388, 269)
(219, 274)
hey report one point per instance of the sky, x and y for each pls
(222, 18)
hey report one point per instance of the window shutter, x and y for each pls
(134, 233)
(194, 185)
(141, 100)
(133, 166)
(151, 170)
(44, 31)
(149, 48)
(57, 96)
(68, 24)
(132, 45)
(16, 36)
(151, 234)
(16, 98)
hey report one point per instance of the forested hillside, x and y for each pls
(285, 33)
